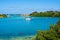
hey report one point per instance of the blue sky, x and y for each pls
(27, 6)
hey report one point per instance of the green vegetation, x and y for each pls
(52, 34)
(46, 14)
(3, 15)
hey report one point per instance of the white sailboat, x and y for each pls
(28, 18)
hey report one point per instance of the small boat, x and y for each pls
(28, 18)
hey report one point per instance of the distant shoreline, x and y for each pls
(35, 14)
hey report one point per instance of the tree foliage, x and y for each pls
(46, 14)
(3, 15)
(52, 34)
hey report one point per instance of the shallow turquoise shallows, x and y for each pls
(19, 26)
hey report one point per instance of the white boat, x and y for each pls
(28, 18)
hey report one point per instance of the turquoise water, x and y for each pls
(19, 26)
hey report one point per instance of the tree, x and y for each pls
(52, 34)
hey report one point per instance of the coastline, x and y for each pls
(20, 38)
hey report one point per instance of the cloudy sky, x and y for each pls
(27, 6)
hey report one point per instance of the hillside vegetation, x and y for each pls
(3, 15)
(46, 14)
(52, 34)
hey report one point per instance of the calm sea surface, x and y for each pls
(19, 26)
